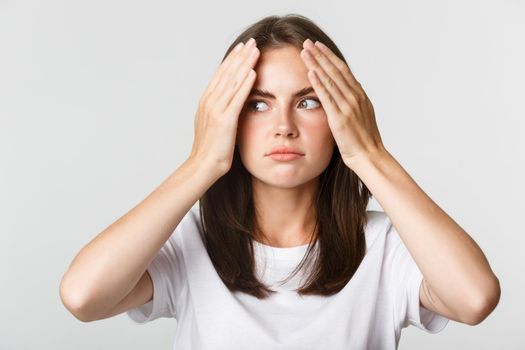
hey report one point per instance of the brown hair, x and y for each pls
(227, 209)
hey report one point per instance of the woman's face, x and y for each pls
(285, 120)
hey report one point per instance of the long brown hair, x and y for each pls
(227, 211)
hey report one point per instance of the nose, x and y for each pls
(284, 124)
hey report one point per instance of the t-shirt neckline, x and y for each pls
(282, 253)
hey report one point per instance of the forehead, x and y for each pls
(281, 69)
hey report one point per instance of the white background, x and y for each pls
(97, 102)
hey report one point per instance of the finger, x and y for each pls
(240, 96)
(232, 69)
(235, 75)
(330, 85)
(243, 71)
(333, 70)
(224, 65)
(327, 101)
(352, 81)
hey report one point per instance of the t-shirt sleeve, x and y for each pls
(406, 279)
(169, 281)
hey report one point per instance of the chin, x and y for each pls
(283, 178)
(280, 184)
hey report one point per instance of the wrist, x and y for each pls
(365, 160)
(208, 171)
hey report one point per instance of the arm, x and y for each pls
(107, 269)
(458, 281)
(453, 266)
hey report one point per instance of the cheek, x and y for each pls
(247, 136)
(319, 134)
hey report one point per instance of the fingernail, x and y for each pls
(320, 45)
(250, 42)
(308, 42)
(238, 47)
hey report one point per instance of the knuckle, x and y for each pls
(344, 67)
(333, 69)
(330, 82)
(354, 102)
(235, 84)
(202, 102)
(360, 89)
(346, 109)
(207, 103)
(358, 94)
(361, 96)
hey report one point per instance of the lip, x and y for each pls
(284, 156)
(284, 150)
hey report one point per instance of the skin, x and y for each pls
(457, 279)
(284, 191)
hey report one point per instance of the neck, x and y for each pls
(285, 217)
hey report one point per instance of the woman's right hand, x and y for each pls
(216, 120)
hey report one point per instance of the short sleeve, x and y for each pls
(406, 279)
(168, 278)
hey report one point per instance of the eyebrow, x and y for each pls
(267, 94)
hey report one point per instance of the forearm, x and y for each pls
(109, 266)
(449, 259)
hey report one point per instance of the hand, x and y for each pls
(219, 107)
(350, 113)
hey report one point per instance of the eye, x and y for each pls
(311, 99)
(253, 104)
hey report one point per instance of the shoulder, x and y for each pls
(192, 218)
(377, 226)
(376, 219)
(194, 214)
(380, 228)
(188, 231)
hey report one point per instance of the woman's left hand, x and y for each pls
(349, 111)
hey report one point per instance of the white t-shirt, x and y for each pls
(368, 313)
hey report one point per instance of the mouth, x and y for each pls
(285, 156)
(284, 150)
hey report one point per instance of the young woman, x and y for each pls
(279, 250)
